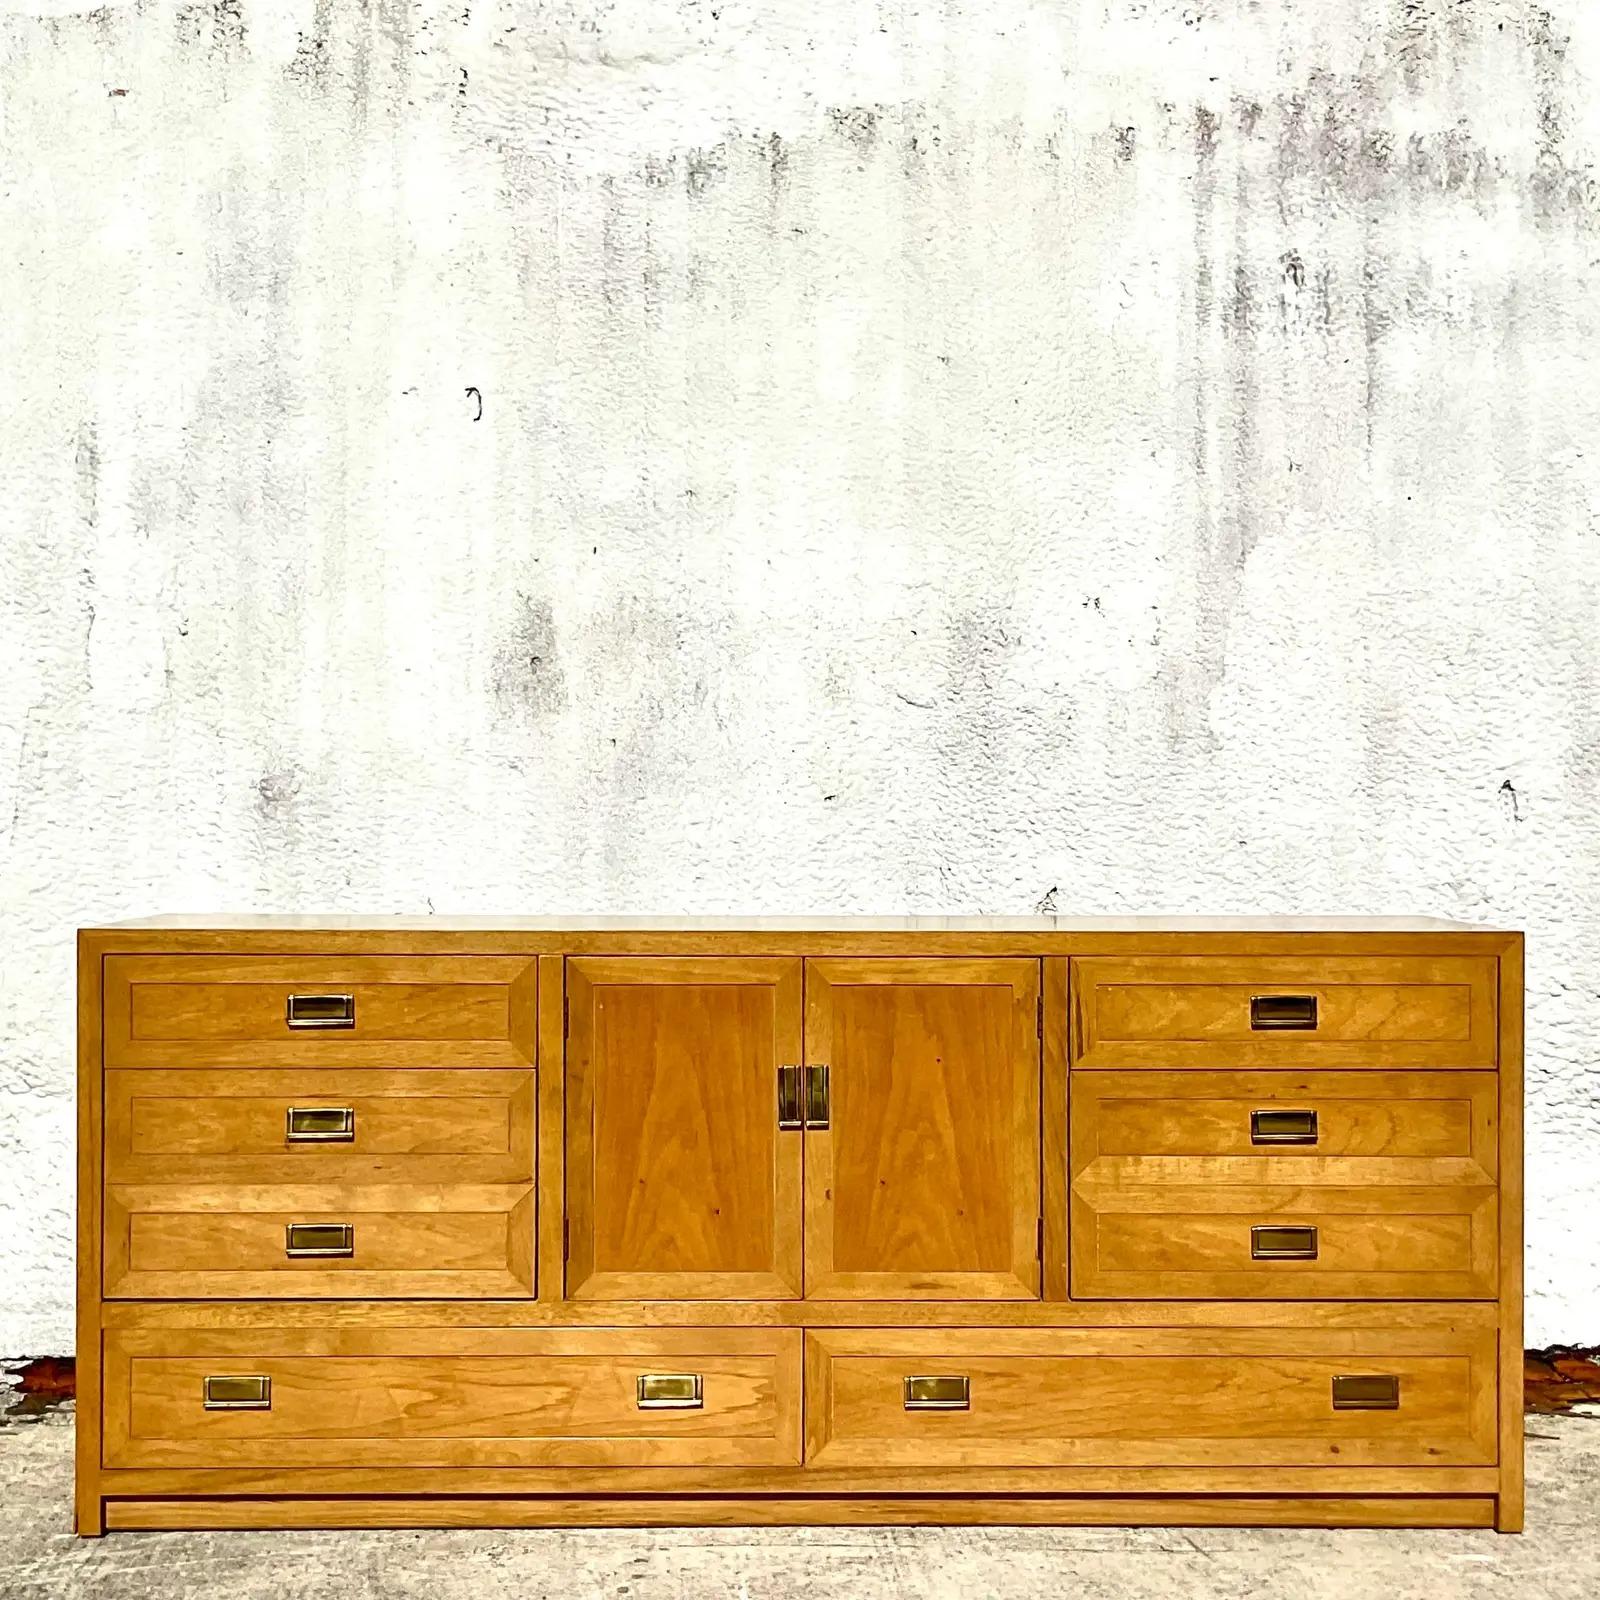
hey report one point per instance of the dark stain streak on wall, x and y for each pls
(776, 153)
(278, 791)
(313, 54)
(527, 676)
(703, 167)
(858, 124)
(217, 23)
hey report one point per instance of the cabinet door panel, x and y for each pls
(680, 1184)
(925, 1184)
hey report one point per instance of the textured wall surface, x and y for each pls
(799, 455)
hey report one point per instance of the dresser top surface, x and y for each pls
(224, 922)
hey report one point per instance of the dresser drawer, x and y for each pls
(1139, 1397)
(1266, 1243)
(1395, 1128)
(277, 1241)
(479, 1397)
(379, 1011)
(308, 1125)
(1331, 1011)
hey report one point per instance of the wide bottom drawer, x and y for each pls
(1169, 1397)
(294, 1397)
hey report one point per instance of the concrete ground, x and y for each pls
(1557, 1559)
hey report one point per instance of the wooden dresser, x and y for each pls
(526, 1222)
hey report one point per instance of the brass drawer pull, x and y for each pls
(791, 1113)
(949, 1392)
(817, 1097)
(322, 1011)
(1283, 1244)
(1283, 1127)
(322, 1124)
(1283, 1012)
(302, 1239)
(1367, 1392)
(671, 1391)
(241, 1393)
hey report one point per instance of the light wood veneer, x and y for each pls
(652, 1222)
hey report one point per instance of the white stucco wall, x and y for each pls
(935, 455)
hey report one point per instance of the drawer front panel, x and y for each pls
(1333, 1011)
(164, 1241)
(1172, 1397)
(1175, 1242)
(479, 1397)
(312, 1126)
(380, 1011)
(1435, 1129)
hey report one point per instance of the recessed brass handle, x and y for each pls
(303, 1239)
(817, 1097)
(791, 1112)
(322, 1011)
(322, 1124)
(252, 1393)
(671, 1391)
(1372, 1391)
(1283, 1244)
(941, 1392)
(1283, 1012)
(1283, 1127)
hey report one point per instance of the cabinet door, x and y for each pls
(925, 1183)
(680, 1185)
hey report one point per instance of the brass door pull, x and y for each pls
(791, 1112)
(1367, 1392)
(322, 1124)
(237, 1393)
(304, 1239)
(817, 1097)
(1283, 1127)
(802, 1097)
(671, 1391)
(1283, 1244)
(945, 1392)
(1283, 1012)
(322, 1011)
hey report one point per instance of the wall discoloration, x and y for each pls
(528, 680)
(1106, 457)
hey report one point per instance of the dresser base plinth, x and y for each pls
(651, 1511)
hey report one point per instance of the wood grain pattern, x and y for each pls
(1390, 1128)
(1373, 1011)
(231, 1011)
(170, 1482)
(679, 1182)
(1327, 1511)
(1166, 1184)
(169, 1241)
(227, 928)
(225, 1126)
(1173, 1239)
(925, 1185)
(471, 1398)
(1509, 1507)
(1054, 1125)
(1163, 1399)
(1109, 1314)
(87, 1513)
(550, 1200)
